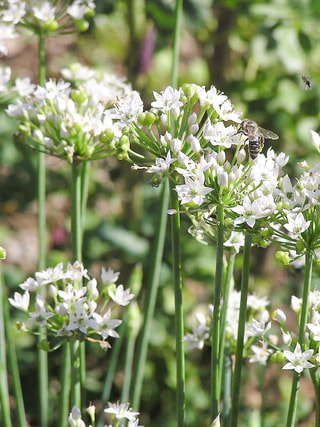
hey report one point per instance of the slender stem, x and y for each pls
(130, 345)
(142, 346)
(77, 348)
(316, 384)
(215, 328)
(302, 328)
(176, 43)
(111, 371)
(4, 389)
(227, 375)
(75, 374)
(41, 182)
(76, 212)
(65, 385)
(84, 191)
(179, 326)
(241, 330)
(224, 356)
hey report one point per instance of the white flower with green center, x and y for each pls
(193, 190)
(109, 277)
(121, 296)
(121, 410)
(167, 101)
(298, 359)
(260, 354)
(296, 224)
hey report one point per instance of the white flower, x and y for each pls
(260, 354)
(168, 100)
(30, 285)
(41, 315)
(193, 190)
(296, 224)
(74, 418)
(200, 333)
(257, 328)
(162, 165)
(121, 410)
(315, 139)
(5, 74)
(21, 302)
(298, 360)
(50, 275)
(235, 241)
(121, 296)
(109, 277)
(314, 327)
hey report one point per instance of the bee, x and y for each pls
(256, 136)
(307, 82)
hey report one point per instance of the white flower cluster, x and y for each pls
(121, 413)
(69, 304)
(192, 134)
(40, 15)
(71, 121)
(297, 359)
(257, 325)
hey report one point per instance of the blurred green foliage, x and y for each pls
(254, 51)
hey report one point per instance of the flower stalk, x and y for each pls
(215, 331)
(241, 329)
(142, 347)
(302, 328)
(41, 184)
(179, 324)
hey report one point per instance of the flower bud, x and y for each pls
(81, 24)
(176, 145)
(279, 316)
(241, 155)
(283, 257)
(3, 253)
(221, 157)
(223, 179)
(50, 25)
(315, 139)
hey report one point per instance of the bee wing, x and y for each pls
(268, 134)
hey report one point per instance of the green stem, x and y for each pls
(75, 374)
(142, 347)
(316, 384)
(227, 375)
(176, 43)
(4, 389)
(76, 211)
(111, 371)
(65, 385)
(241, 330)
(179, 326)
(130, 345)
(215, 328)
(302, 328)
(224, 356)
(84, 192)
(41, 182)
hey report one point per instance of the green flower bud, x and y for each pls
(81, 25)
(142, 118)
(277, 357)
(149, 119)
(283, 257)
(79, 96)
(106, 136)
(123, 143)
(50, 25)
(3, 253)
